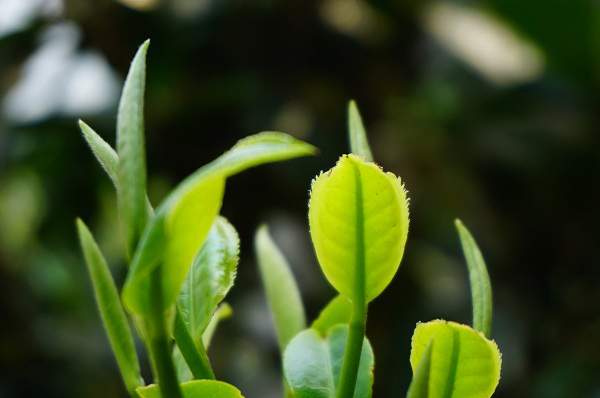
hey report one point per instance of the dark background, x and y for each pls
(511, 149)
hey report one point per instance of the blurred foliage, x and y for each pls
(516, 161)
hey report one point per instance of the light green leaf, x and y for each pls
(419, 387)
(112, 314)
(312, 364)
(196, 389)
(464, 363)
(173, 237)
(280, 286)
(131, 150)
(185, 216)
(223, 312)
(210, 277)
(359, 145)
(358, 218)
(106, 156)
(481, 287)
(339, 310)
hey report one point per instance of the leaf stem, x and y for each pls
(158, 343)
(194, 353)
(353, 350)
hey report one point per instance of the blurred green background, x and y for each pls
(489, 110)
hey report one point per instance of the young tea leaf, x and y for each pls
(131, 151)
(481, 287)
(184, 217)
(174, 237)
(419, 387)
(223, 312)
(280, 286)
(339, 310)
(210, 277)
(106, 156)
(112, 314)
(359, 145)
(312, 364)
(464, 364)
(196, 389)
(358, 218)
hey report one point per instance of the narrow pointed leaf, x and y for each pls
(112, 314)
(193, 352)
(106, 156)
(223, 312)
(481, 287)
(359, 145)
(339, 310)
(131, 151)
(210, 278)
(280, 286)
(464, 363)
(419, 387)
(184, 214)
(312, 364)
(196, 389)
(358, 218)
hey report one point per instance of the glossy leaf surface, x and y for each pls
(312, 364)
(196, 389)
(464, 363)
(479, 278)
(210, 277)
(359, 145)
(131, 151)
(113, 317)
(173, 238)
(338, 310)
(281, 289)
(358, 218)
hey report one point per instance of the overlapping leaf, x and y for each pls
(312, 364)
(338, 310)
(196, 389)
(464, 363)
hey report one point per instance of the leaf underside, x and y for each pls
(464, 363)
(358, 218)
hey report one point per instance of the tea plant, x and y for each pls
(358, 217)
(182, 256)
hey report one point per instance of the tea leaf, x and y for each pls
(106, 156)
(419, 387)
(112, 314)
(173, 237)
(339, 310)
(481, 287)
(223, 312)
(185, 216)
(358, 219)
(191, 352)
(359, 145)
(210, 277)
(196, 389)
(131, 151)
(312, 364)
(280, 287)
(464, 364)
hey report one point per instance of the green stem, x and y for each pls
(353, 350)
(158, 343)
(194, 354)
